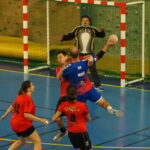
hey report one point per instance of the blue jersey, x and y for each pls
(75, 72)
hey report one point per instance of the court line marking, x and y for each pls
(40, 107)
(29, 73)
(129, 134)
(55, 77)
(67, 145)
(25, 145)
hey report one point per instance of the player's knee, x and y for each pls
(59, 119)
(22, 141)
(11, 149)
(36, 141)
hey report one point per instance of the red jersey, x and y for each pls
(63, 84)
(86, 85)
(75, 112)
(22, 104)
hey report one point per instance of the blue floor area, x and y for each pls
(105, 79)
(106, 131)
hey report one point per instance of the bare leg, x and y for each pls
(62, 128)
(60, 122)
(18, 144)
(103, 103)
(35, 138)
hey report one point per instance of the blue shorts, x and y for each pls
(91, 95)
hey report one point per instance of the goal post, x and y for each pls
(26, 36)
(142, 70)
(127, 57)
(122, 7)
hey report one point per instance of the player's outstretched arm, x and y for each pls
(35, 118)
(99, 33)
(108, 44)
(67, 37)
(9, 110)
(56, 116)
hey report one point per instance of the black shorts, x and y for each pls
(60, 100)
(80, 140)
(26, 132)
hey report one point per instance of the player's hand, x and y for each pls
(87, 57)
(110, 43)
(90, 60)
(64, 65)
(3, 117)
(59, 38)
(44, 121)
(107, 45)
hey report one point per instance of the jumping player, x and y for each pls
(76, 73)
(23, 110)
(77, 114)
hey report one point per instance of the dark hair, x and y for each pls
(71, 92)
(24, 86)
(86, 16)
(62, 52)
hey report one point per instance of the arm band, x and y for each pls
(100, 54)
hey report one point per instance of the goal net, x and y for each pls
(126, 59)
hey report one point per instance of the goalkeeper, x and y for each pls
(84, 36)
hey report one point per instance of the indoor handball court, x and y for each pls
(28, 51)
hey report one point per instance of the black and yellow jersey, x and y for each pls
(84, 37)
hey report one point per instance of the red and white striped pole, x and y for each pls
(25, 35)
(123, 44)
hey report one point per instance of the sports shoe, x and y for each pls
(99, 89)
(118, 113)
(115, 112)
(59, 136)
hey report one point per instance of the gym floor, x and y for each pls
(106, 131)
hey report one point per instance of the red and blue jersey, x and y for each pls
(76, 73)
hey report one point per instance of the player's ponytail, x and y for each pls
(71, 93)
(24, 87)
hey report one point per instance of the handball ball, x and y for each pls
(113, 38)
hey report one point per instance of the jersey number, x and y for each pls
(73, 118)
(17, 106)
